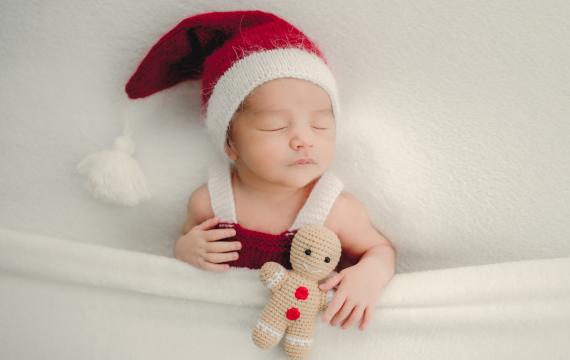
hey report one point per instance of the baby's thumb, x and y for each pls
(331, 282)
(208, 223)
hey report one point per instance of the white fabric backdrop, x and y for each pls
(456, 114)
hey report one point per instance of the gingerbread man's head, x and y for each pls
(315, 251)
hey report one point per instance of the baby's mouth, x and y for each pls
(308, 268)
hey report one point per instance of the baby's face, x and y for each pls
(285, 132)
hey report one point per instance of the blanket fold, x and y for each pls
(43, 256)
(515, 310)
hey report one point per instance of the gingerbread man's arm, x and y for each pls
(273, 275)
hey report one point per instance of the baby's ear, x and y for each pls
(230, 151)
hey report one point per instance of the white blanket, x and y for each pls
(67, 300)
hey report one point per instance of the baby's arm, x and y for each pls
(200, 245)
(198, 208)
(273, 275)
(361, 284)
(361, 241)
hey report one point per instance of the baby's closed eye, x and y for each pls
(323, 121)
(271, 124)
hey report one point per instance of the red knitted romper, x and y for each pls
(259, 247)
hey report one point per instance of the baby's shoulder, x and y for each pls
(347, 204)
(344, 211)
(199, 204)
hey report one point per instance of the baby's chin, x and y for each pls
(302, 176)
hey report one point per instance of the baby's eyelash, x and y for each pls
(282, 128)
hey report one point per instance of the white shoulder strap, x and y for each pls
(220, 189)
(320, 201)
(314, 212)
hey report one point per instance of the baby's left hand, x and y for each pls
(356, 296)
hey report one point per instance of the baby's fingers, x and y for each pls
(333, 307)
(354, 316)
(208, 224)
(343, 313)
(222, 246)
(219, 234)
(214, 267)
(217, 258)
(367, 317)
(331, 282)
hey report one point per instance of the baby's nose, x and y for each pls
(301, 142)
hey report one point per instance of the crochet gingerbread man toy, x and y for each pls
(296, 298)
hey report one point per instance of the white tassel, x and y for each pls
(114, 175)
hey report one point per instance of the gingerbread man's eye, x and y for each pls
(308, 252)
(327, 259)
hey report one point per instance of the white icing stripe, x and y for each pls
(276, 278)
(268, 329)
(295, 340)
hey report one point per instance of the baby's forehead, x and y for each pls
(285, 92)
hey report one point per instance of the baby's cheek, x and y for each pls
(269, 151)
(261, 156)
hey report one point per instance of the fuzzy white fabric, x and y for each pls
(114, 176)
(62, 298)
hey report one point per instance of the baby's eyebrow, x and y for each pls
(269, 111)
(285, 110)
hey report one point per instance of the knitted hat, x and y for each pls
(231, 53)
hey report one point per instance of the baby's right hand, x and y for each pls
(200, 247)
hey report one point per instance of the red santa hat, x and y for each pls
(231, 53)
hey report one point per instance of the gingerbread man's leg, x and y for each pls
(270, 327)
(299, 338)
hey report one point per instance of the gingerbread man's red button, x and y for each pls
(293, 313)
(302, 293)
